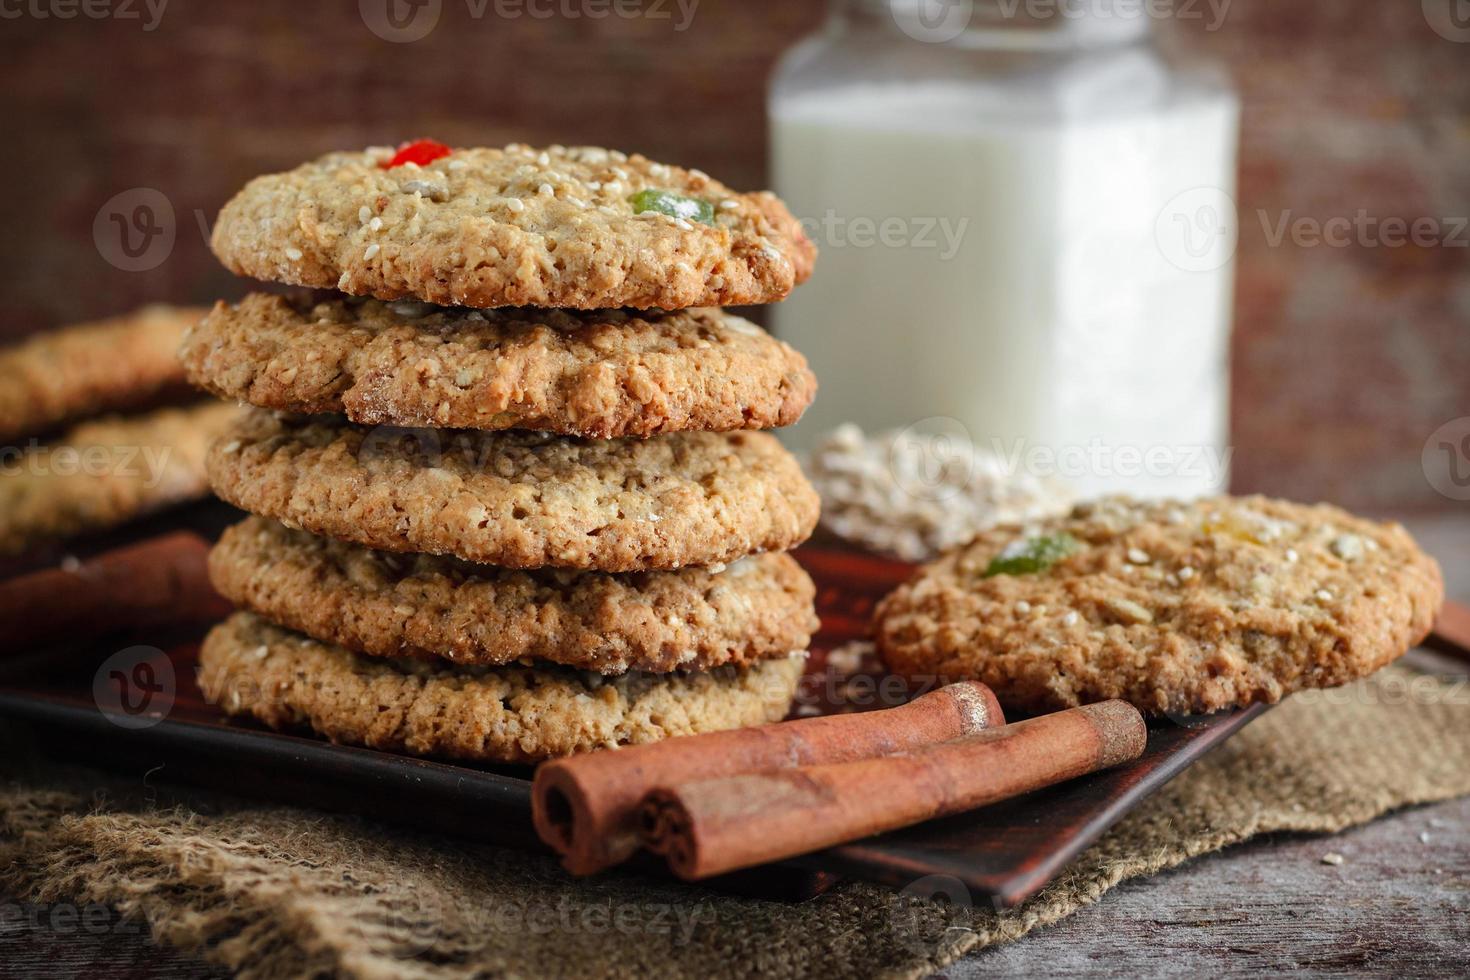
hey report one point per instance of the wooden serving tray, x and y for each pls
(157, 722)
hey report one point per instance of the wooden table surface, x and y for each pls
(1399, 902)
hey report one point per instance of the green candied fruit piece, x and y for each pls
(1032, 555)
(673, 205)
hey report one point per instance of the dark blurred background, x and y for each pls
(1346, 358)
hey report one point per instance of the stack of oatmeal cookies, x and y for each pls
(508, 503)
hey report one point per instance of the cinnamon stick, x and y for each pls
(586, 807)
(711, 827)
(162, 580)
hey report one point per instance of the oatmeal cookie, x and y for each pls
(422, 606)
(1177, 607)
(248, 666)
(91, 368)
(521, 499)
(579, 227)
(601, 375)
(105, 473)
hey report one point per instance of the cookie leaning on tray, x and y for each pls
(84, 443)
(107, 472)
(584, 550)
(113, 365)
(1177, 607)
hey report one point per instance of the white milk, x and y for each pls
(1028, 286)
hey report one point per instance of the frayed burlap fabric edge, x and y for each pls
(276, 892)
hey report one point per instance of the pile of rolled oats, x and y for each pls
(913, 495)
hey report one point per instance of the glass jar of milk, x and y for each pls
(1027, 227)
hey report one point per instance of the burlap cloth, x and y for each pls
(279, 892)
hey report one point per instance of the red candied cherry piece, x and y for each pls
(421, 152)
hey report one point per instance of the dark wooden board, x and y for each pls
(1002, 853)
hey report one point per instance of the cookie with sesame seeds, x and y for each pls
(250, 667)
(1179, 608)
(425, 606)
(520, 499)
(601, 374)
(105, 473)
(580, 227)
(110, 365)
